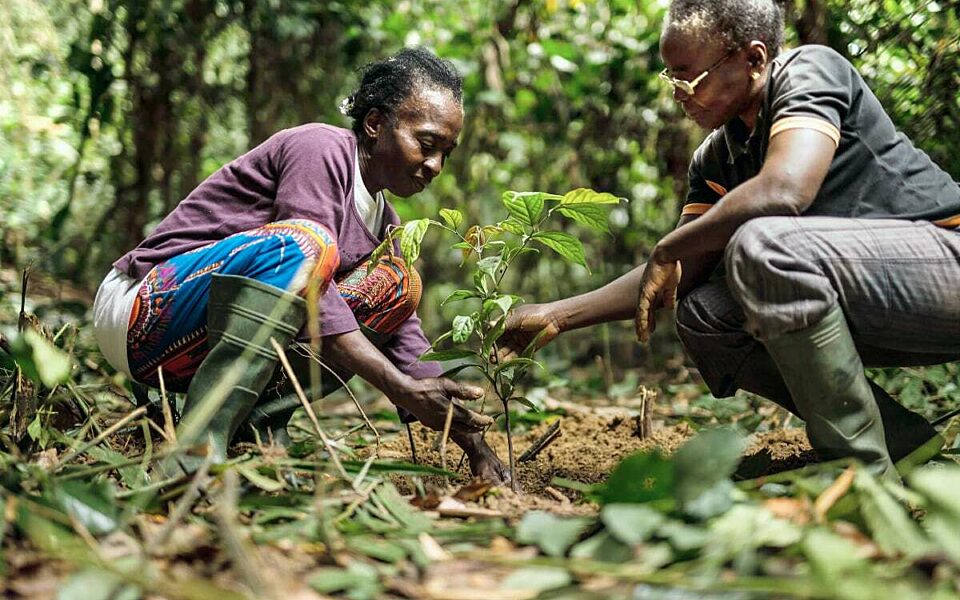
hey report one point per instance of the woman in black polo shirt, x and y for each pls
(834, 235)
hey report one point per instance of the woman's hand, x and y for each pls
(528, 324)
(429, 399)
(484, 462)
(658, 289)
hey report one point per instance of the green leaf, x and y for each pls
(489, 265)
(360, 580)
(377, 548)
(588, 196)
(459, 295)
(454, 354)
(641, 477)
(893, 529)
(40, 360)
(378, 253)
(261, 481)
(453, 218)
(603, 547)
(526, 402)
(537, 579)
(411, 237)
(551, 534)
(705, 460)
(462, 329)
(591, 215)
(517, 362)
(513, 226)
(940, 485)
(91, 503)
(563, 244)
(525, 207)
(631, 523)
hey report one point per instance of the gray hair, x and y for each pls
(735, 22)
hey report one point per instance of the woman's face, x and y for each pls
(725, 92)
(411, 150)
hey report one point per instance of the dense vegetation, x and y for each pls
(114, 110)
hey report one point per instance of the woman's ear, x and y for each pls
(373, 123)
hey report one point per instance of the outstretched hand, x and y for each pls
(430, 398)
(528, 324)
(658, 289)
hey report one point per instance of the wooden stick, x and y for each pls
(306, 406)
(165, 407)
(106, 432)
(316, 359)
(413, 444)
(552, 433)
(443, 439)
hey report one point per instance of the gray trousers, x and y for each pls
(898, 283)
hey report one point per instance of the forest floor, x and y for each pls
(646, 492)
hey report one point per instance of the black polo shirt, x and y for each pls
(876, 172)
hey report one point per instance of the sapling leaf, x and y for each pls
(526, 402)
(592, 215)
(588, 196)
(525, 207)
(489, 265)
(452, 217)
(411, 236)
(459, 295)
(441, 339)
(512, 225)
(516, 362)
(563, 244)
(455, 370)
(462, 328)
(453, 354)
(378, 253)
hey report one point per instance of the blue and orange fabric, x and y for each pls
(168, 324)
(386, 297)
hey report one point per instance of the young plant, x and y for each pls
(475, 331)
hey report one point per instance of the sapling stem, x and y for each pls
(506, 420)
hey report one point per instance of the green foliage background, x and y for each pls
(115, 110)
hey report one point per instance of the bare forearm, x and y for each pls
(354, 352)
(615, 301)
(711, 232)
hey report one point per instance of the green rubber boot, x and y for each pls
(243, 315)
(825, 376)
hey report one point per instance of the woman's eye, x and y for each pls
(426, 145)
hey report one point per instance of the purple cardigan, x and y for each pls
(305, 172)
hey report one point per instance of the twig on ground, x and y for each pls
(106, 432)
(246, 562)
(443, 437)
(306, 406)
(316, 358)
(165, 407)
(552, 433)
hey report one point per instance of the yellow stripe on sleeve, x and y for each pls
(824, 127)
(695, 208)
(953, 221)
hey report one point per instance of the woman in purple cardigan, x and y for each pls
(230, 268)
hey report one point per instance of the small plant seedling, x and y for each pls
(475, 331)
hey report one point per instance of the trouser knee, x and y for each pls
(384, 298)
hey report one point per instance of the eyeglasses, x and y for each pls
(689, 87)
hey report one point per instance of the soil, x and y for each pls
(590, 445)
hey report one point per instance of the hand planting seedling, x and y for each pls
(494, 248)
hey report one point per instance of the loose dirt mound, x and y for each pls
(589, 447)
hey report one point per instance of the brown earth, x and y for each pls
(590, 445)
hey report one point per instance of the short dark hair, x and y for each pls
(386, 83)
(736, 22)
